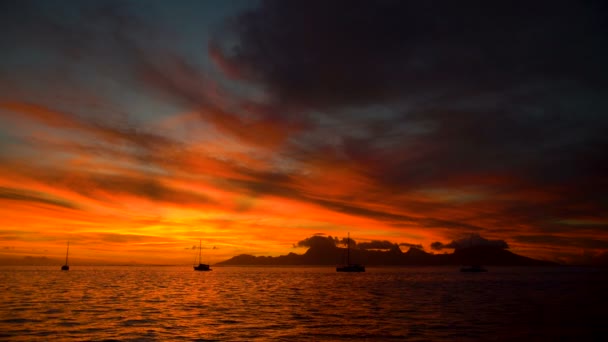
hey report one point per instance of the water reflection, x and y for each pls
(172, 303)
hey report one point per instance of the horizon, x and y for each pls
(135, 129)
(306, 244)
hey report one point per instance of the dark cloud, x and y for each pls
(411, 245)
(107, 187)
(359, 52)
(437, 246)
(482, 81)
(562, 241)
(317, 241)
(469, 241)
(104, 129)
(508, 97)
(285, 185)
(321, 240)
(386, 245)
(35, 197)
(150, 188)
(377, 244)
(120, 43)
(402, 97)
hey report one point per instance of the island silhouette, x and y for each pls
(324, 251)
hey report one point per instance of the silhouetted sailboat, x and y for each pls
(201, 266)
(66, 267)
(350, 267)
(473, 268)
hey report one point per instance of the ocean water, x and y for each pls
(302, 304)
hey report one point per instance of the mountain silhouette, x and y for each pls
(327, 254)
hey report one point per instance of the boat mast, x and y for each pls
(66, 253)
(200, 251)
(348, 249)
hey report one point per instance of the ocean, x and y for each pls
(122, 303)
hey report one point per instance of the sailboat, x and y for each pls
(473, 268)
(350, 267)
(66, 267)
(201, 266)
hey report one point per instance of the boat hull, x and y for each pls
(65, 268)
(473, 269)
(350, 268)
(202, 267)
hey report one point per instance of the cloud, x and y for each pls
(386, 245)
(478, 85)
(321, 240)
(121, 238)
(357, 53)
(34, 197)
(317, 241)
(102, 129)
(377, 244)
(102, 186)
(437, 246)
(472, 240)
(416, 96)
(151, 188)
(426, 118)
(411, 245)
(564, 241)
(121, 44)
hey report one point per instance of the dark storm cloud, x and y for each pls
(100, 33)
(507, 97)
(468, 241)
(486, 80)
(510, 96)
(337, 53)
(579, 242)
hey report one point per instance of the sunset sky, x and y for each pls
(135, 128)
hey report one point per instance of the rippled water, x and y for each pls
(307, 304)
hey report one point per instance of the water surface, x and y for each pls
(301, 304)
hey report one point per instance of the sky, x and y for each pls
(133, 129)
